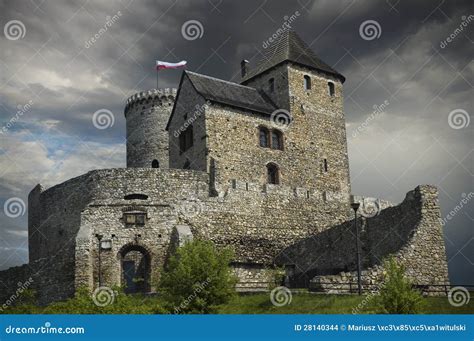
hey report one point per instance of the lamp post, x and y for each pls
(355, 207)
(99, 238)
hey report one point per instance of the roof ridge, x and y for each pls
(219, 79)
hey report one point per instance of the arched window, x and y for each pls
(331, 89)
(271, 84)
(155, 164)
(277, 140)
(307, 83)
(273, 176)
(263, 137)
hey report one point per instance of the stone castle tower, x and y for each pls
(289, 80)
(312, 92)
(146, 115)
(260, 167)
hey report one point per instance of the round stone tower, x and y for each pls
(147, 114)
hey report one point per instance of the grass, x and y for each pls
(301, 303)
(306, 303)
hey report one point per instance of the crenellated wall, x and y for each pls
(147, 113)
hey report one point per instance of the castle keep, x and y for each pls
(260, 166)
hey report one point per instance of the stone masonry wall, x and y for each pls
(51, 278)
(411, 231)
(170, 193)
(323, 133)
(280, 95)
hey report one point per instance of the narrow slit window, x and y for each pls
(264, 138)
(325, 165)
(277, 140)
(271, 84)
(331, 89)
(307, 82)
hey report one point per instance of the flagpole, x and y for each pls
(157, 78)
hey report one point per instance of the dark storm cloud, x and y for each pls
(68, 79)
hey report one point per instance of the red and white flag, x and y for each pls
(165, 65)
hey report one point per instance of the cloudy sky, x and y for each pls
(408, 93)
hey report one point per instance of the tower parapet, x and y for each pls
(147, 113)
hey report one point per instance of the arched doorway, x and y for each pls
(135, 262)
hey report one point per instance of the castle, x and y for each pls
(261, 167)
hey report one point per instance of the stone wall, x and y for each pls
(171, 194)
(280, 95)
(411, 231)
(304, 231)
(322, 133)
(252, 277)
(52, 279)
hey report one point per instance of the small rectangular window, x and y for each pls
(129, 218)
(140, 219)
(134, 219)
(325, 165)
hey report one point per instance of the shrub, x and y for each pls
(198, 278)
(397, 295)
(82, 303)
(276, 277)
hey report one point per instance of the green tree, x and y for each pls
(397, 295)
(198, 278)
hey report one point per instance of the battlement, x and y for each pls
(157, 96)
(237, 187)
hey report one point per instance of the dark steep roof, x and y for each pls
(290, 47)
(233, 94)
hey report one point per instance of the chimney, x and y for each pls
(243, 67)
